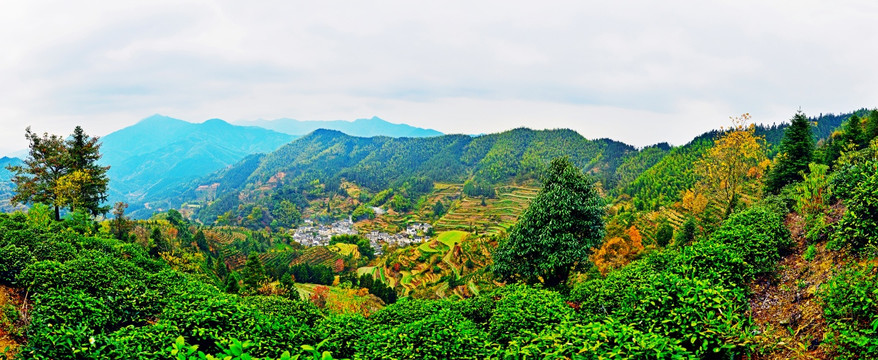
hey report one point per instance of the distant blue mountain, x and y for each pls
(360, 127)
(5, 161)
(157, 156)
(6, 185)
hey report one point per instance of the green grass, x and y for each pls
(425, 248)
(450, 238)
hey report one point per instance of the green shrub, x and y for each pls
(520, 310)
(478, 309)
(406, 311)
(13, 259)
(605, 339)
(698, 314)
(343, 334)
(809, 253)
(850, 305)
(716, 261)
(856, 183)
(758, 235)
(441, 335)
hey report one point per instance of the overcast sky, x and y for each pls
(637, 71)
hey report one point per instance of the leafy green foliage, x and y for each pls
(856, 183)
(522, 311)
(850, 304)
(443, 334)
(555, 234)
(597, 340)
(700, 315)
(758, 234)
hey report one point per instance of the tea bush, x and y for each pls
(758, 235)
(850, 305)
(441, 335)
(596, 340)
(520, 310)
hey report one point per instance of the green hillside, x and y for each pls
(330, 157)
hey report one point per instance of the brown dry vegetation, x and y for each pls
(7, 297)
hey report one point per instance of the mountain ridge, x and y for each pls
(373, 126)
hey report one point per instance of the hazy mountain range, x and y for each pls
(360, 127)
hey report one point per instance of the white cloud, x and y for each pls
(638, 71)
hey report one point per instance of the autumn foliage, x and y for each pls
(729, 173)
(618, 251)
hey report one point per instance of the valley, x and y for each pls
(352, 243)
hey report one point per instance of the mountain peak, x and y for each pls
(216, 122)
(158, 118)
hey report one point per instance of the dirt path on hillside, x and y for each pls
(785, 304)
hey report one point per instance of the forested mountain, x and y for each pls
(377, 163)
(653, 176)
(158, 155)
(361, 127)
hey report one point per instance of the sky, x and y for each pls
(641, 71)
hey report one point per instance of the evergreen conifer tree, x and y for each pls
(253, 273)
(201, 241)
(796, 151)
(854, 132)
(84, 153)
(220, 268)
(686, 234)
(872, 125)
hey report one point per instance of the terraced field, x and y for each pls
(317, 255)
(450, 264)
(497, 215)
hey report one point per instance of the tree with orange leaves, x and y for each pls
(618, 251)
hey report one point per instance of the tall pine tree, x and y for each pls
(253, 273)
(872, 126)
(853, 131)
(796, 151)
(84, 153)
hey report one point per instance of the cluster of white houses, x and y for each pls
(313, 234)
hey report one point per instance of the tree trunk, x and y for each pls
(57, 213)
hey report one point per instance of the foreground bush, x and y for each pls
(758, 235)
(442, 335)
(856, 183)
(596, 340)
(850, 305)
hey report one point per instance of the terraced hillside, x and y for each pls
(495, 216)
(451, 264)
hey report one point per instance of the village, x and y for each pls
(315, 234)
